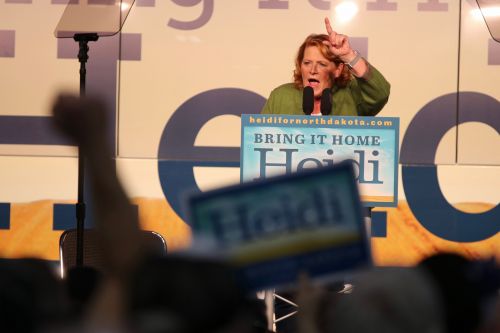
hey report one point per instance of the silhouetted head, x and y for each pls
(31, 295)
(466, 287)
(185, 294)
(388, 300)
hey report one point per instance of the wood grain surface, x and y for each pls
(406, 243)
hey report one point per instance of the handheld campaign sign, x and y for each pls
(272, 229)
(277, 144)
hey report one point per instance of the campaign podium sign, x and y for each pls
(282, 144)
(272, 229)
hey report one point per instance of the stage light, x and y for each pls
(124, 6)
(345, 11)
(486, 12)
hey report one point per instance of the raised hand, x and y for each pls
(339, 44)
(81, 119)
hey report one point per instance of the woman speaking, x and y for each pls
(330, 78)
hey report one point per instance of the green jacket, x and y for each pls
(361, 97)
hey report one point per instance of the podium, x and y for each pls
(284, 144)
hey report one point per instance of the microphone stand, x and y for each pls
(82, 39)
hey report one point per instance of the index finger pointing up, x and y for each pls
(328, 26)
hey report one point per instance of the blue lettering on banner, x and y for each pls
(273, 4)
(207, 8)
(7, 43)
(421, 184)
(206, 14)
(4, 215)
(379, 224)
(177, 154)
(321, 4)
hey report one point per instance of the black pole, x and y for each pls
(82, 40)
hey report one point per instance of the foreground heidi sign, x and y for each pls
(277, 144)
(274, 228)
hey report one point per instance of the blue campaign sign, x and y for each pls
(277, 144)
(274, 228)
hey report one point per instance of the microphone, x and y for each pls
(308, 100)
(326, 102)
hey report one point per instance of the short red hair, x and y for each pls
(317, 40)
